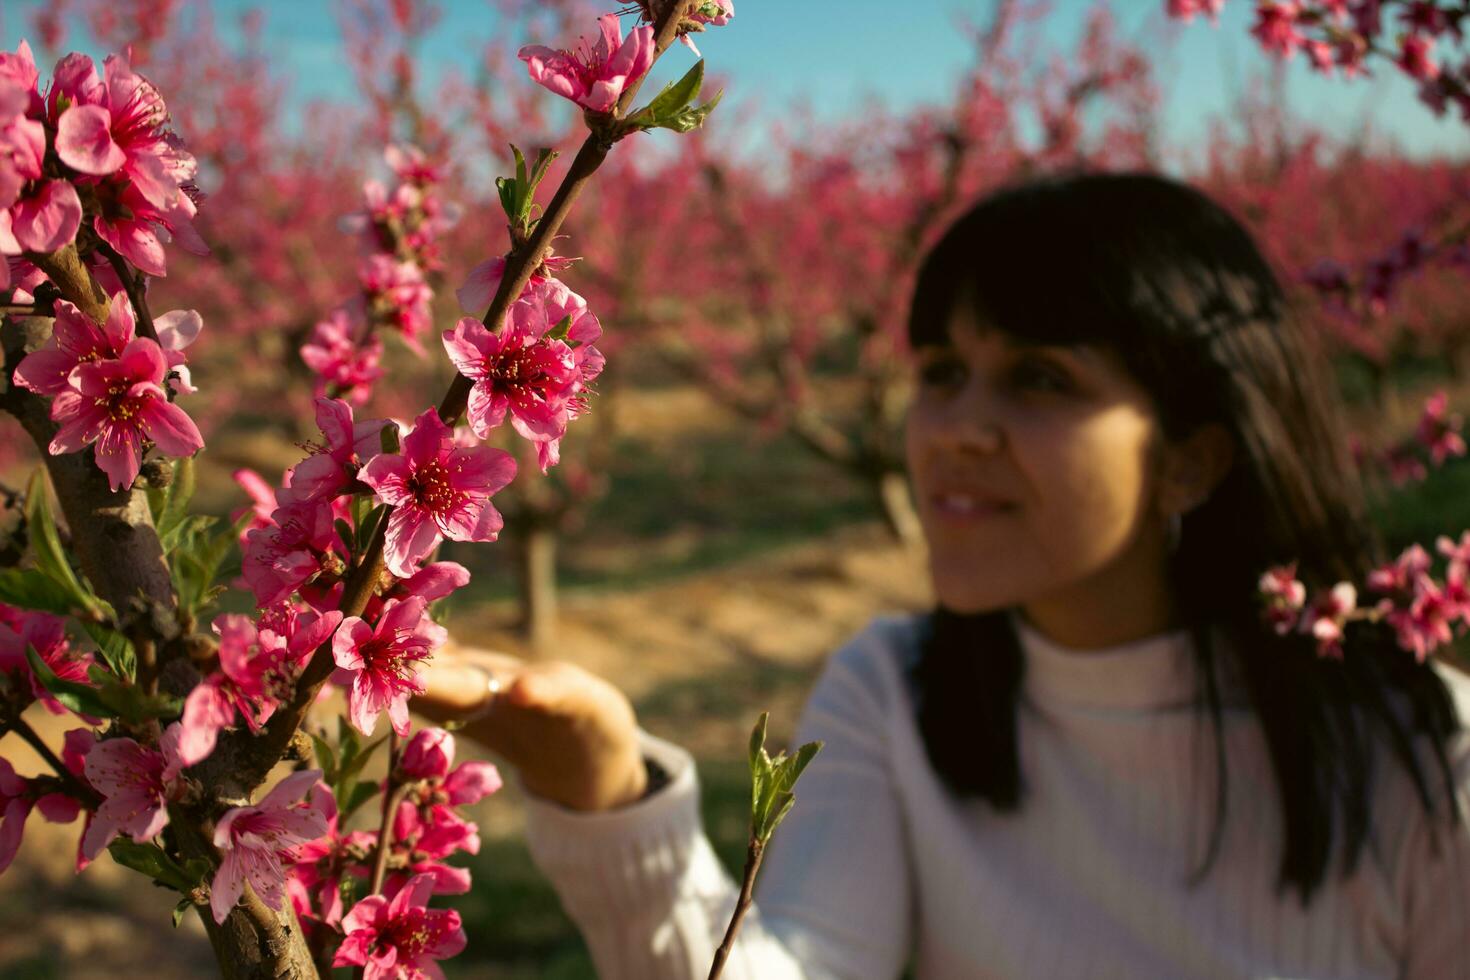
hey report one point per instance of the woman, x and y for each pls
(1092, 759)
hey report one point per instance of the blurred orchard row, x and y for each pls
(766, 285)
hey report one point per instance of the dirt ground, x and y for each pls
(701, 657)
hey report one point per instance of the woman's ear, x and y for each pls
(1193, 467)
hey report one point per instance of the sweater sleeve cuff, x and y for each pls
(628, 858)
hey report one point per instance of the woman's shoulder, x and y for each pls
(1457, 682)
(875, 662)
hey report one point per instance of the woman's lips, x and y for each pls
(966, 506)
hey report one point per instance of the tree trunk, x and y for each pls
(538, 586)
(897, 503)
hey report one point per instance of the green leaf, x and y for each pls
(362, 791)
(509, 187)
(352, 767)
(369, 527)
(520, 164)
(115, 649)
(31, 589)
(46, 546)
(106, 696)
(176, 497)
(153, 862)
(691, 117)
(772, 780)
(792, 769)
(362, 506)
(78, 697)
(675, 96)
(325, 758)
(784, 803)
(185, 904)
(518, 193)
(197, 562)
(185, 533)
(544, 157)
(559, 332)
(388, 438)
(758, 740)
(344, 531)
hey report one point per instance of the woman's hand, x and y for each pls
(571, 735)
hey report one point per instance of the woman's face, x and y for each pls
(1034, 471)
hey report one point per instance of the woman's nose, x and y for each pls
(968, 424)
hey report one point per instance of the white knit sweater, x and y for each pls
(878, 867)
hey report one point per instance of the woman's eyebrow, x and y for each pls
(1086, 353)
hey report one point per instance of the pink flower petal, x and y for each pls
(228, 885)
(48, 219)
(171, 429)
(437, 580)
(291, 789)
(472, 782)
(388, 475)
(12, 827)
(84, 141)
(177, 329)
(411, 536)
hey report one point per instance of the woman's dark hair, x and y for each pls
(1159, 273)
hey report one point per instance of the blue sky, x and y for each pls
(835, 55)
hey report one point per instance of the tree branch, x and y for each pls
(74, 786)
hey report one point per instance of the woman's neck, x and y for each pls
(1129, 600)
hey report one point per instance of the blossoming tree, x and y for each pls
(181, 725)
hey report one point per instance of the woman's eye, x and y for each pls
(940, 372)
(1042, 376)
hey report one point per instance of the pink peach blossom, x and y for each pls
(333, 465)
(136, 784)
(22, 149)
(1186, 9)
(1425, 624)
(1276, 28)
(119, 405)
(383, 659)
(539, 379)
(1327, 618)
(344, 366)
(75, 340)
(262, 502)
(259, 664)
(479, 287)
(1439, 430)
(300, 543)
(714, 13)
(46, 634)
(594, 78)
(315, 878)
(1402, 574)
(1416, 57)
(138, 228)
(426, 818)
(17, 798)
(396, 290)
(436, 491)
(1284, 597)
(399, 939)
(44, 220)
(257, 842)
